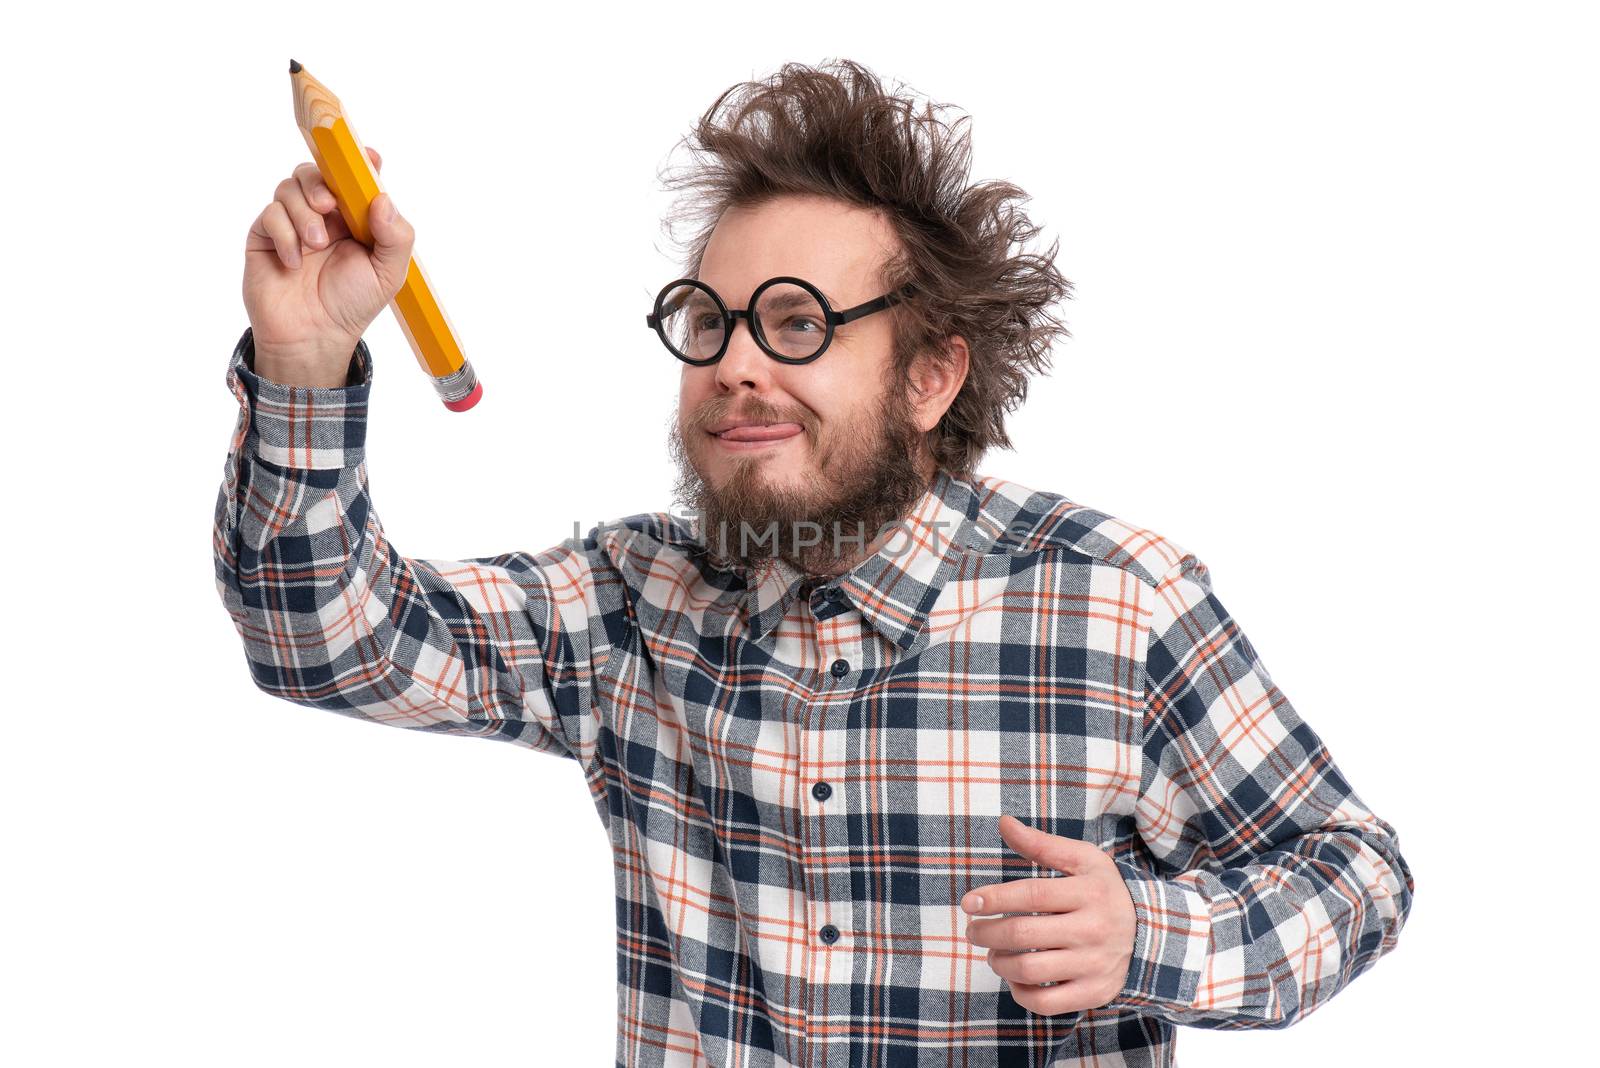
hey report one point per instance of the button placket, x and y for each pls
(839, 650)
(832, 955)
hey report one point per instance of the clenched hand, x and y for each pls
(1083, 943)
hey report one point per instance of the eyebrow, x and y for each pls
(833, 302)
(695, 300)
(790, 300)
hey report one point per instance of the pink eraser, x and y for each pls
(468, 401)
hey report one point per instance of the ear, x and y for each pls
(935, 381)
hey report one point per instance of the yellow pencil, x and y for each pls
(348, 170)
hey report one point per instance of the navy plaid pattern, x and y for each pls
(1010, 651)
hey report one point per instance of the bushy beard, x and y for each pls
(866, 480)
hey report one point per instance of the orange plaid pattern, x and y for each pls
(800, 780)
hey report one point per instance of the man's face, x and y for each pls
(837, 446)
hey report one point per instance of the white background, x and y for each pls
(1333, 331)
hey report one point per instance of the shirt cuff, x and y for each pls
(310, 428)
(1171, 942)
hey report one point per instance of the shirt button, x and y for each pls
(822, 791)
(840, 667)
(829, 934)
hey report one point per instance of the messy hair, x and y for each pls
(834, 131)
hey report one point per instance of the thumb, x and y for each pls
(392, 237)
(1049, 850)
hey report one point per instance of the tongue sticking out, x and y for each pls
(774, 432)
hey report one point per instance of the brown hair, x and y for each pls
(834, 131)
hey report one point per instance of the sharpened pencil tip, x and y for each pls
(294, 68)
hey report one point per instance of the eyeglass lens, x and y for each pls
(788, 318)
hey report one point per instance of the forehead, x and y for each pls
(838, 247)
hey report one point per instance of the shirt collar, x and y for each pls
(896, 587)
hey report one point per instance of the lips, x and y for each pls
(766, 432)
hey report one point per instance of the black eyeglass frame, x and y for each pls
(730, 318)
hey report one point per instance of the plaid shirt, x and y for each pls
(801, 781)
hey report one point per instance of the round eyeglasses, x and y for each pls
(789, 318)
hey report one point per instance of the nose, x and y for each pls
(744, 363)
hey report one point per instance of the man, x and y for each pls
(903, 764)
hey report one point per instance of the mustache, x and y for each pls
(717, 411)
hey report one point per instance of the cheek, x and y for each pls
(826, 401)
(834, 395)
(837, 415)
(692, 393)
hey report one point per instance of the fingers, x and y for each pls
(392, 240)
(315, 190)
(1013, 933)
(319, 198)
(306, 220)
(273, 229)
(1060, 893)
(1074, 995)
(1046, 966)
(303, 213)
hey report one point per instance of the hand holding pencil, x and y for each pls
(310, 288)
(329, 252)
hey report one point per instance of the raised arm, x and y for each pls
(1275, 886)
(334, 617)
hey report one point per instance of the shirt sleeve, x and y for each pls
(1275, 886)
(332, 616)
